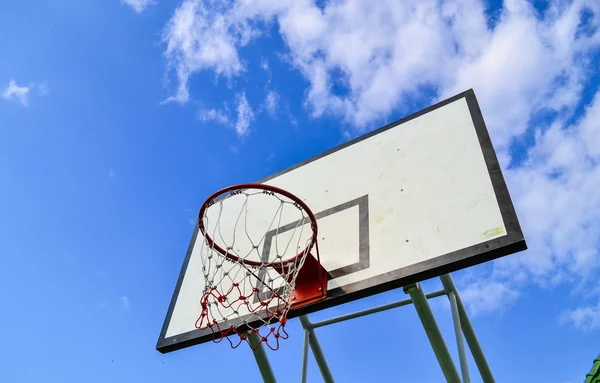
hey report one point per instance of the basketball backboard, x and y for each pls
(418, 198)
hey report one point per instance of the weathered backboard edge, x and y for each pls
(511, 243)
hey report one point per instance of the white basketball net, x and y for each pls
(264, 238)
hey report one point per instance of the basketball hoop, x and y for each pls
(257, 262)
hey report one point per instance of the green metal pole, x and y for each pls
(316, 349)
(387, 306)
(469, 332)
(305, 356)
(261, 359)
(433, 333)
(464, 367)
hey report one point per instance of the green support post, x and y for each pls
(433, 333)
(420, 300)
(464, 367)
(316, 350)
(262, 359)
(469, 332)
(305, 356)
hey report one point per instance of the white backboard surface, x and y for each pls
(418, 198)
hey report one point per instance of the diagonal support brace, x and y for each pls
(316, 350)
(433, 333)
(261, 358)
(469, 332)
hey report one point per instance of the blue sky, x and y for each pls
(118, 118)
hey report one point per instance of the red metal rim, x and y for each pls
(274, 189)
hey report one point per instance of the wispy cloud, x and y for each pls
(560, 170)
(16, 93)
(264, 64)
(200, 37)
(219, 116)
(43, 89)
(383, 53)
(139, 5)
(125, 303)
(292, 119)
(241, 123)
(21, 94)
(192, 216)
(111, 173)
(585, 318)
(272, 103)
(486, 296)
(245, 115)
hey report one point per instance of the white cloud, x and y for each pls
(366, 60)
(557, 196)
(192, 218)
(244, 115)
(485, 296)
(585, 318)
(264, 64)
(16, 93)
(199, 36)
(21, 94)
(241, 124)
(43, 89)
(219, 116)
(111, 173)
(292, 119)
(272, 103)
(139, 5)
(125, 303)
(383, 52)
